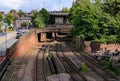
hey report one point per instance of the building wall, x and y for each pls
(2, 13)
(58, 20)
(18, 21)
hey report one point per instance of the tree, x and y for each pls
(20, 13)
(91, 22)
(85, 20)
(45, 15)
(37, 20)
(9, 19)
(65, 9)
(1, 17)
(117, 17)
(13, 10)
(24, 24)
(112, 7)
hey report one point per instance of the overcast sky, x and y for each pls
(28, 5)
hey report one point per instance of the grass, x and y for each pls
(85, 69)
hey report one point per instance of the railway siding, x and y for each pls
(22, 67)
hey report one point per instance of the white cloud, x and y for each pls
(28, 5)
(12, 4)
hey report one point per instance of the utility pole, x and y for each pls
(59, 4)
(73, 2)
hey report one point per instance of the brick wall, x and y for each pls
(92, 47)
(26, 42)
(95, 46)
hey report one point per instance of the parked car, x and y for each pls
(19, 34)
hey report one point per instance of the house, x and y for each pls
(20, 20)
(2, 13)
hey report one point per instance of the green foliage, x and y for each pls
(1, 17)
(92, 22)
(12, 10)
(37, 20)
(85, 69)
(84, 20)
(107, 39)
(50, 56)
(65, 9)
(75, 45)
(20, 13)
(102, 40)
(112, 7)
(11, 28)
(24, 24)
(0, 27)
(40, 19)
(45, 15)
(9, 19)
(108, 65)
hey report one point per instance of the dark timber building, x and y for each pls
(59, 24)
(59, 18)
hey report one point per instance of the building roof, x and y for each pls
(2, 13)
(58, 13)
(24, 18)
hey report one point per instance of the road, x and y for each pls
(11, 39)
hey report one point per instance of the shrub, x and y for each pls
(108, 65)
(85, 69)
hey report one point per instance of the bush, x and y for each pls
(107, 39)
(108, 65)
(11, 28)
(85, 69)
(102, 40)
(50, 56)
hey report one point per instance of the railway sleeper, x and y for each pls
(59, 66)
(77, 63)
(52, 66)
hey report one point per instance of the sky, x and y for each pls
(28, 5)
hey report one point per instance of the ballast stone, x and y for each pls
(59, 77)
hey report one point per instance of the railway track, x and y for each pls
(96, 67)
(17, 65)
(69, 65)
(60, 57)
(42, 66)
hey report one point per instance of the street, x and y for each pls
(11, 39)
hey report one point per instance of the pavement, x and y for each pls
(11, 39)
